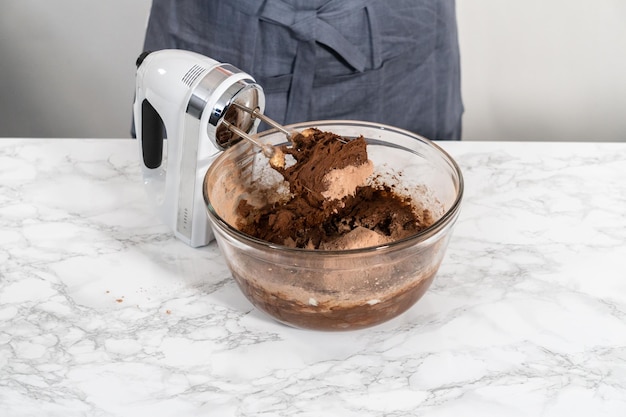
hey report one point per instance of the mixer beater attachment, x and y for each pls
(276, 156)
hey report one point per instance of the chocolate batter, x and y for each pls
(313, 219)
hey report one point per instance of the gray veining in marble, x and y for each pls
(104, 313)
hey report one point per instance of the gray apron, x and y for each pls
(387, 61)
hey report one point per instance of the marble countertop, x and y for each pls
(104, 313)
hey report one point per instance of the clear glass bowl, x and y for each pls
(337, 290)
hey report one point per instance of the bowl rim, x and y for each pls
(445, 220)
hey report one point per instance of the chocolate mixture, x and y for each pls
(309, 219)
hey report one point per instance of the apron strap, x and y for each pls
(310, 26)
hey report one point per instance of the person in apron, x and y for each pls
(386, 61)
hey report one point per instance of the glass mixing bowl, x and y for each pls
(347, 289)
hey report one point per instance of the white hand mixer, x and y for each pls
(188, 108)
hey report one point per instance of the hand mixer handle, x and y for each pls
(153, 133)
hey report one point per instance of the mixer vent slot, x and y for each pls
(193, 73)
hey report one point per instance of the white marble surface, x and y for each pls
(104, 313)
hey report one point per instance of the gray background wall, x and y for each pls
(532, 70)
